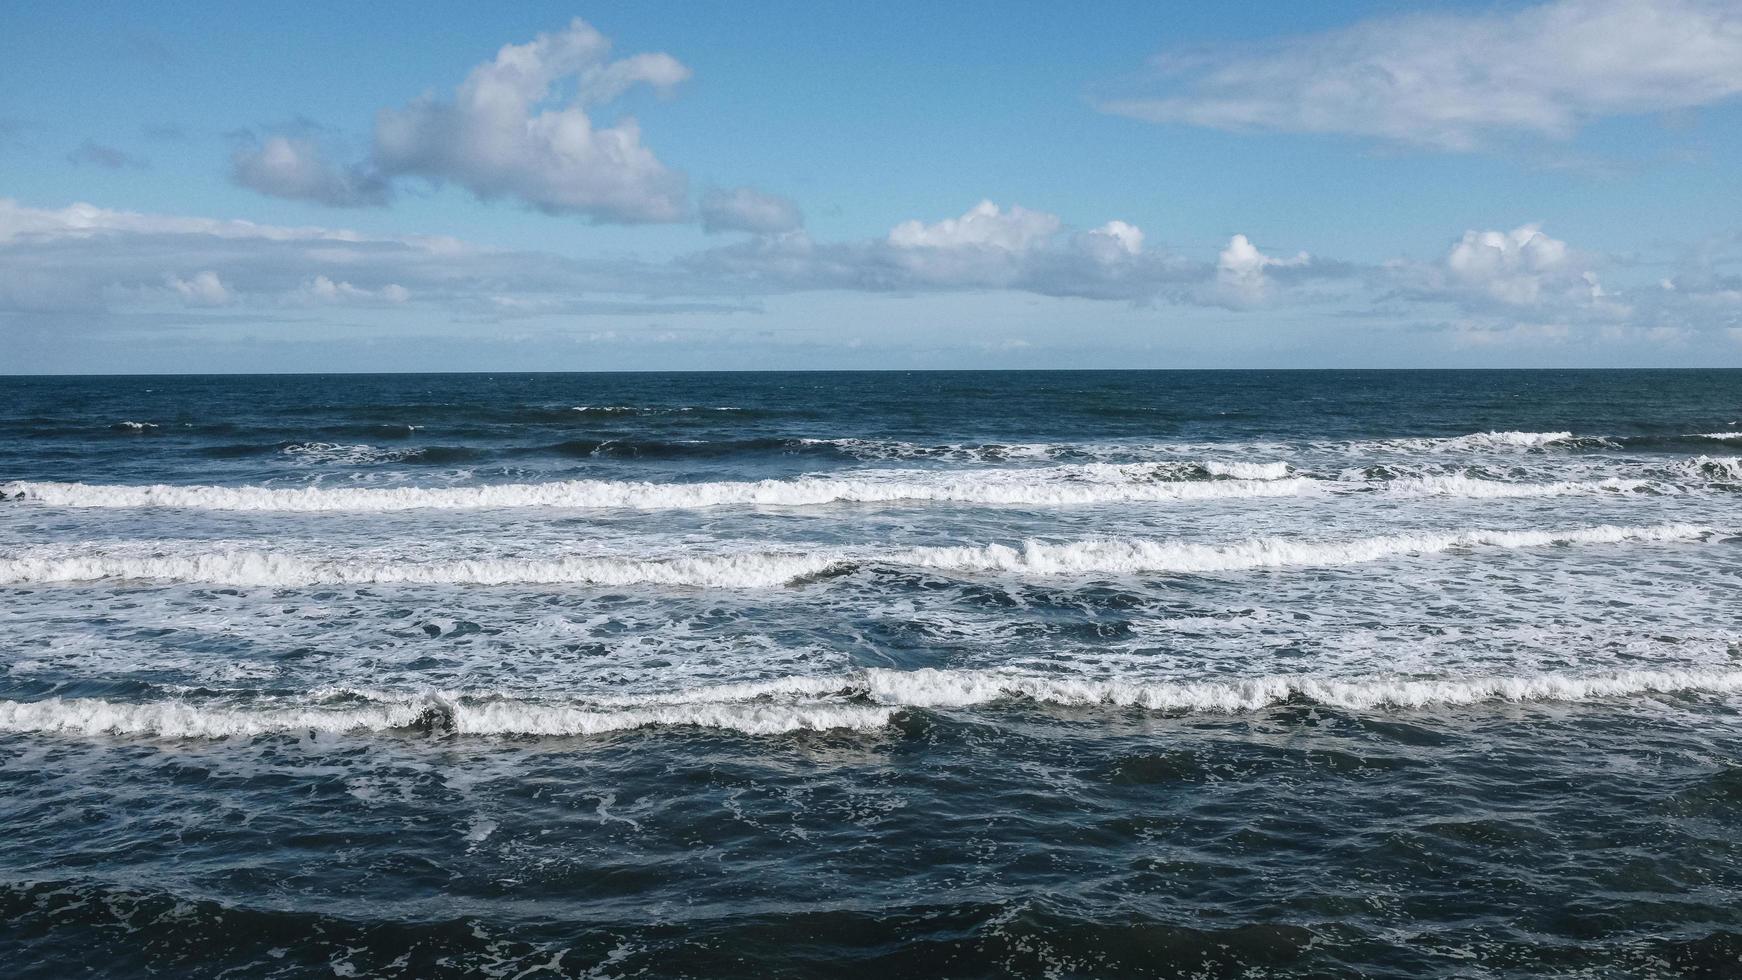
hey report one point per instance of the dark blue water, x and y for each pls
(1085, 674)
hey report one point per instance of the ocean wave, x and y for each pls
(933, 688)
(650, 409)
(285, 570)
(761, 570)
(862, 700)
(181, 719)
(1725, 469)
(329, 453)
(332, 452)
(1149, 556)
(1089, 484)
(1489, 441)
(1072, 484)
(1462, 485)
(678, 449)
(1247, 471)
(1492, 442)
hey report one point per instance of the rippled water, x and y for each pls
(1046, 674)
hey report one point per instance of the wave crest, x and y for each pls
(1094, 483)
(1113, 557)
(865, 700)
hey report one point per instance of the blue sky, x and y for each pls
(239, 187)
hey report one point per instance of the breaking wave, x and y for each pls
(1462, 485)
(1727, 469)
(951, 688)
(864, 700)
(1046, 486)
(1495, 440)
(180, 719)
(1114, 557)
(332, 452)
(1064, 485)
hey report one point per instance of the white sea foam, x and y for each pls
(1493, 441)
(1486, 441)
(332, 452)
(755, 570)
(289, 570)
(1461, 485)
(1248, 471)
(1136, 556)
(950, 688)
(182, 719)
(863, 700)
(1079, 484)
(1094, 483)
(651, 410)
(1718, 436)
(1726, 468)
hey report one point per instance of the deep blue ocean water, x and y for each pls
(1075, 674)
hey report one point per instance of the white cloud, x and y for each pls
(93, 260)
(82, 220)
(1513, 267)
(986, 248)
(984, 226)
(321, 289)
(1475, 333)
(1112, 241)
(502, 136)
(201, 289)
(1525, 286)
(298, 169)
(748, 209)
(100, 266)
(1241, 277)
(1455, 81)
(1524, 268)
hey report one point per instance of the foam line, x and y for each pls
(1113, 556)
(864, 700)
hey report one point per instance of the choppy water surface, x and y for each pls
(1044, 674)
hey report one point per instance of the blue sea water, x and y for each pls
(1073, 674)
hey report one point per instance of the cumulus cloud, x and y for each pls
(1112, 241)
(101, 266)
(323, 290)
(1242, 272)
(984, 226)
(987, 247)
(1456, 81)
(1513, 267)
(1526, 287)
(200, 289)
(1524, 268)
(748, 209)
(504, 134)
(98, 155)
(298, 169)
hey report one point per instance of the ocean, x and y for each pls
(979, 674)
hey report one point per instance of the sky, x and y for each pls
(219, 187)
